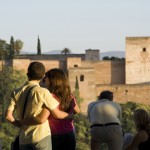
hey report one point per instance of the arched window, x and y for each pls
(75, 65)
(82, 78)
(144, 49)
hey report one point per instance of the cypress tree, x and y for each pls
(77, 84)
(12, 47)
(39, 47)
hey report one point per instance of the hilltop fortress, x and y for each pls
(129, 79)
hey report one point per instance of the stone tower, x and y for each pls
(86, 83)
(92, 55)
(137, 60)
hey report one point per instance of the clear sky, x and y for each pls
(75, 24)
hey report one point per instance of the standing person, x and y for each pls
(104, 116)
(63, 131)
(35, 137)
(141, 140)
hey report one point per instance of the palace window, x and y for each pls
(75, 65)
(82, 78)
(144, 49)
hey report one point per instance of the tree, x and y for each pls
(4, 47)
(12, 47)
(2, 51)
(65, 51)
(112, 58)
(38, 46)
(106, 58)
(18, 45)
(76, 92)
(9, 80)
(76, 83)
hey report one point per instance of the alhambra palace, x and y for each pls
(129, 79)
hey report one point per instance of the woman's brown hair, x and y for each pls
(59, 85)
(142, 120)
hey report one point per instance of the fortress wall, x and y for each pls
(103, 72)
(38, 57)
(22, 64)
(87, 64)
(49, 64)
(49, 56)
(73, 62)
(137, 60)
(107, 72)
(118, 72)
(139, 93)
(110, 72)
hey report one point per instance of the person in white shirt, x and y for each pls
(105, 116)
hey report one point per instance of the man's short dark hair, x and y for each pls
(36, 71)
(106, 95)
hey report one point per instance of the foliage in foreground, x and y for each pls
(9, 80)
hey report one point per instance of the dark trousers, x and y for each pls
(65, 141)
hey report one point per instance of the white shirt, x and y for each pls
(38, 98)
(104, 111)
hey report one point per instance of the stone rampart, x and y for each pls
(139, 93)
(107, 72)
(22, 64)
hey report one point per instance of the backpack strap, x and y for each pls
(25, 104)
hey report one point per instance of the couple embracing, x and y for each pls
(44, 115)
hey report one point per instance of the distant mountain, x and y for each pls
(56, 52)
(53, 52)
(26, 52)
(119, 54)
(49, 52)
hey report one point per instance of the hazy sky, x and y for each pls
(75, 24)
